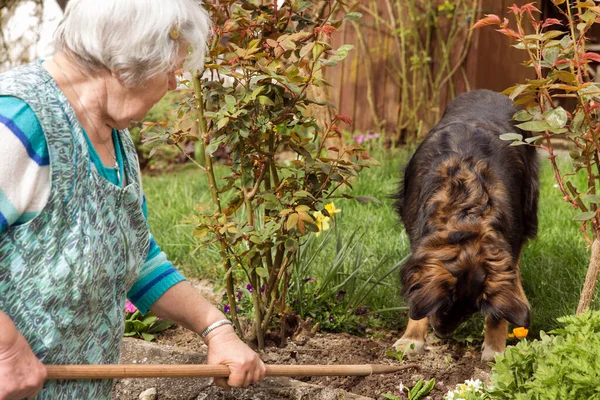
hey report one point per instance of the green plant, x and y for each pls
(418, 391)
(558, 54)
(253, 101)
(143, 326)
(334, 293)
(563, 365)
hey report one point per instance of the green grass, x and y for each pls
(553, 266)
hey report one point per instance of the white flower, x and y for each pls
(449, 395)
(401, 387)
(474, 383)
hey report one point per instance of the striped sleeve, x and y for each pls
(25, 190)
(157, 276)
(25, 172)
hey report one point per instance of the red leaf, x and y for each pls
(515, 9)
(510, 33)
(529, 7)
(327, 30)
(551, 21)
(489, 19)
(344, 118)
(592, 56)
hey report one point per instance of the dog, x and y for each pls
(468, 201)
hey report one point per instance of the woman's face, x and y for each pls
(134, 103)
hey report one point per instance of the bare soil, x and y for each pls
(448, 362)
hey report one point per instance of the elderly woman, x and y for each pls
(74, 239)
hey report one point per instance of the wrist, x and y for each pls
(220, 333)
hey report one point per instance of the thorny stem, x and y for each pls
(208, 168)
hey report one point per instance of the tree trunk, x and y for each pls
(591, 278)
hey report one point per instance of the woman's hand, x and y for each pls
(22, 375)
(225, 347)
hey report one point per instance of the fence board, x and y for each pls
(491, 64)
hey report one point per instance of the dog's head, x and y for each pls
(453, 275)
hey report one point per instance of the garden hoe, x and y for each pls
(59, 372)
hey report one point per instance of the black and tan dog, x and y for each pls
(468, 203)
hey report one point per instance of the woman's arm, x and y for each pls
(22, 375)
(184, 305)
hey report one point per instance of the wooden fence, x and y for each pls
(490, 63)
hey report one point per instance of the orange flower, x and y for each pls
(520, 333)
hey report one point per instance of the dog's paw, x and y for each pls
(488, 353)
(408, 346)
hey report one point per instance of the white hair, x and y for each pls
(135, 39)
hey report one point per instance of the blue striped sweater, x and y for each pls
(25, 190)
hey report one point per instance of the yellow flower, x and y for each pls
(322, 222)
(332, 210)
(511, 335)
(520, 333)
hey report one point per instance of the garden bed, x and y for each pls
(446, 361)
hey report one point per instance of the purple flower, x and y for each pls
(312, 278)
(341, 293)
(362, 310)
(365, 137)
(239, 295)
(226, 308)
(129, 307)
(331, 319)
(249, 288)
(262, 289)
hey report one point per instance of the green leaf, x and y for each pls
(522, 116)
(148, 320)
(306, 49)
(511, 136)
(353, 16)
(534, 126)
(586, 216)
(160, 326)
(230, 100)
(518, 90)
(533, 138)
(262, 272)
(291, 245)
(592, 198)
(367, 199)
(148, 336)
(265, 101)
(139, 326)
(291, 221)
(222, 122)
(556, 118)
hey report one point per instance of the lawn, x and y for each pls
(553, 266)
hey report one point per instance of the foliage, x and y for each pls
(420, 31)
(557, 52)
(334, 295)
(157, 158)
(469, 390)
(143, 326)
(253, 101)
(564, 365)
(418, 391)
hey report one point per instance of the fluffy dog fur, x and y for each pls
(468, 202)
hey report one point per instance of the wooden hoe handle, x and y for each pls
(195, 370)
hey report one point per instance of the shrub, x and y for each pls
(563, 365)
(558, 54)
(253, 100)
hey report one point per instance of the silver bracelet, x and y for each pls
(214, 326)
